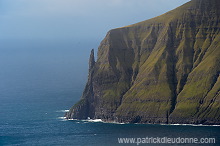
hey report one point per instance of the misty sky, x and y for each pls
(74, 19)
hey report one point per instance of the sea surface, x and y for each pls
(41, 79)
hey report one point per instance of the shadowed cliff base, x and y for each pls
(162, 70)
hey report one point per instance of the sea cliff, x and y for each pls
(162, 70)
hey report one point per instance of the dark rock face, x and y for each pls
(163, 70)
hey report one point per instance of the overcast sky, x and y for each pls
(75, 19)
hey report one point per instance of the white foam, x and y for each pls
(113, 122)
(63, 111)
(71, 119)
(188, 125)
(119, 123)
(62, 118)
(95, 120)
(205, 125)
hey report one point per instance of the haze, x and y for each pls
(75, 19)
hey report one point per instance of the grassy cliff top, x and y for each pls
(193, 7)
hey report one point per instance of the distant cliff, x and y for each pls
(162, 70)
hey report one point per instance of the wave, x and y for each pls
(113, 122)
(62, 118)
(62, 111)
(188, 125)
(85, 121)
(95, 120)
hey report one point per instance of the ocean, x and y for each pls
(40, 80)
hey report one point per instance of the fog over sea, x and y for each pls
(41, 79)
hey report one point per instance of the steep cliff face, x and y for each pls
(163, 70)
